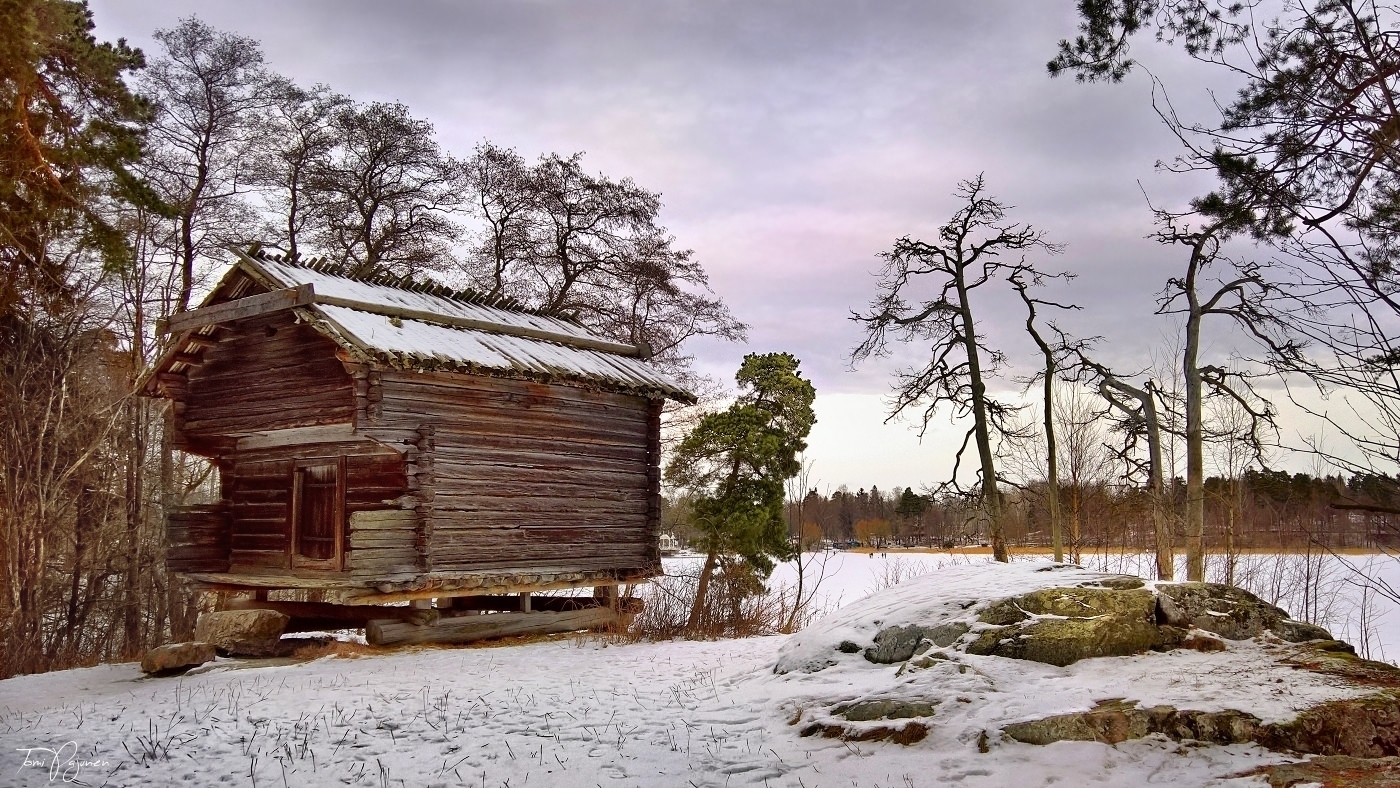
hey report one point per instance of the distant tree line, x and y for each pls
(124, 179)
(1258, 510)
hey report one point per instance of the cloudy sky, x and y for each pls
(792, 142)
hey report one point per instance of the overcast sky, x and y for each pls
(792, 142)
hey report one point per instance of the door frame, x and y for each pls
(336, 562)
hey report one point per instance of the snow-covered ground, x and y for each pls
(1324, 589)
(582, 712)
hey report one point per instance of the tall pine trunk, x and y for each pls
(702, 590)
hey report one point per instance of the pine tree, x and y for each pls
(735, 463)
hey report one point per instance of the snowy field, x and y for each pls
(582, 712)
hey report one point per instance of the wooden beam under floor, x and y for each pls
(470, 628)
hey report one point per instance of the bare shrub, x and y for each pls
(894, 571)
(739, 604)
(1309, 585)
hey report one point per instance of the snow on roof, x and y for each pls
(501, 340)
(327, 284)
(472, 348)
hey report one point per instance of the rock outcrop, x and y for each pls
(1339, 771)
(243, 633)
(176, 657)
(1110, 617)
(1060, 626)
(1367, 727)
(938, 636)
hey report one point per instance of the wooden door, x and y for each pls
(318, 514)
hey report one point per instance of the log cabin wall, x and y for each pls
(196, 539)
(264, 373)
(378, 533)
(524, 475)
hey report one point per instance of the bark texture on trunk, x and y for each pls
(702, 590)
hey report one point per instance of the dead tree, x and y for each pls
(1138, 420)
(1244, 297)
(966, 256)
(1051, 356)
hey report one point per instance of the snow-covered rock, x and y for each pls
(176, 656)
(1040, 653)
(1044, 612)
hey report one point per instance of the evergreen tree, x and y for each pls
(69, 128)
(736, 461)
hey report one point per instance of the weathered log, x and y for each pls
(470, 628)
(297, 437)
(316, 616)
(382, 519)
(197, 539)
(251, 306)
(201, 341)
(550, 604)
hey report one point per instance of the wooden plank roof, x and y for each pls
(426, 327)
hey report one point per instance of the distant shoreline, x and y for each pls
(1095, 551)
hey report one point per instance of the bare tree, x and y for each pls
(1233, 453)
(813, 567)
(61, 404)
(1244, 297)
(1051, 355)
(1305, 155)
(602, 257)
(210, 89)
(966, 257)
(297, 137)
(1136, 408)
(569, 242)
(505, 200)
(385, 193)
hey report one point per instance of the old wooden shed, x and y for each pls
(385, 440)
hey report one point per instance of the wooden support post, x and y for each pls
(260, 595)
(607, 596)
(525, 602)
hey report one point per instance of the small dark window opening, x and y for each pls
(318, 511)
